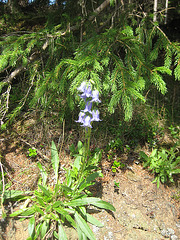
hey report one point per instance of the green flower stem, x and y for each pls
(85, 157)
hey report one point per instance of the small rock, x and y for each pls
(170, 231)
(164, 233)
(178, 225)
(167, 232)
(174, 237)
(137, 162)
(110, 234)
(95, 229)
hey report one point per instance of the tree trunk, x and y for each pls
(166, 10)
(15, 5)
(155, 11)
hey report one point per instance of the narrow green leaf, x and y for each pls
(91, 200)
(18, 212)
(45, 191)
(56, 235)
(66, 214)
(66, 188)
(10, 194)
(57, 204)
(68, 178)
(77, 162)
(55, 159)
(23, 212)
(48, 209)
(31, 226)
(28, 212)
(43, 173)
(105, 205)
(61, 232)
(92, 177)
(41, 202)
(54, 217)
(93, 220)
(70, 220)
(81, 235)
(84, 226)
(38, 210)
(175, 171)
(44, 228)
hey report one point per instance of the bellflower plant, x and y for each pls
(59, 204)
(87, 116)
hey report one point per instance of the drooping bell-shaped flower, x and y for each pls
(86, 116)
(87, 93)
(81, 117)
(95, 96)
(88, 107)
(82, 87)
(87, 122)
(95, 116)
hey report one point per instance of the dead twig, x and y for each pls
(38, 151)
(3, 187)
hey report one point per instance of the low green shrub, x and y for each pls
(163, 163)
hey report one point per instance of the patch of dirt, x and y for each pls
(142, 211)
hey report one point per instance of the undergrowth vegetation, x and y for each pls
(63, 203)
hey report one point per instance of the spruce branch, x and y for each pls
(35, 55)
(18, 70)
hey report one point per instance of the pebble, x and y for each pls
(95, 229)
(178, 225)
(110, 234)
(170, 231)
(167, 232)
(174, 237)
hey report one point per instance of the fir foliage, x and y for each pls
(123, 62)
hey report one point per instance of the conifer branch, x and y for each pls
(99, 9)
(18, 70)
(35, 55)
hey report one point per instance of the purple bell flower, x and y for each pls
(87, 93)
(81, 117)
(95, 96)
(86, 116)
(82, 87)
(95, 116)
(88, 107)
(87, 122)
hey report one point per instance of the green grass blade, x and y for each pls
(43, 173)
(84, 226)
(90, 200)
(44, 228)
(94, 221)
(61, 232)
(31, 226)
(55, 159)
